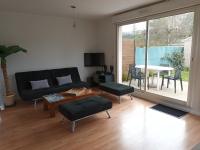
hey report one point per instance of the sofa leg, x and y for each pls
(108, 114)
(73, 125)
(35, 103)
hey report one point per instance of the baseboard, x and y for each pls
(195, 112)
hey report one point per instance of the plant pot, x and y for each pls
(10, 100)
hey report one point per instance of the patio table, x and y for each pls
(157, 69)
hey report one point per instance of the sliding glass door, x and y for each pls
(156, 55)
(169, 49)
(133, 52)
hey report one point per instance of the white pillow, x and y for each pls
(64, 80)
(39, 84)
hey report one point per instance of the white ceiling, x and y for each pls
(89, 9)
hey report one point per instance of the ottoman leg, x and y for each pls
(131, 96)
(73, 125)
(119, 99)
(108, 114)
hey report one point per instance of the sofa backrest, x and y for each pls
(23, 78)
(64, 72)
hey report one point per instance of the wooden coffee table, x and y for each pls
(67, 96)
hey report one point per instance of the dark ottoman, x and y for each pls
(83, 108)
(117, 89)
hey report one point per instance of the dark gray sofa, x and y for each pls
(24, 87)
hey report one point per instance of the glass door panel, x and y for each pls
(168, 55)
(158, 52)
(133, 54)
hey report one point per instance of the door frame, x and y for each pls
(140, 93)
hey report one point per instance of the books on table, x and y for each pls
(53, 97)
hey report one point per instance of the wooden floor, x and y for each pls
(133, 126)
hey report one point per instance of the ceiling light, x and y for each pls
(73, 7)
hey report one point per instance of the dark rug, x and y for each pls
(168, 110)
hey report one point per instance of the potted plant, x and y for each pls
(6, 51)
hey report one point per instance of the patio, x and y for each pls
(167, 92)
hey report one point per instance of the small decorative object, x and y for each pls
(105, 68)
(53, 97)
(111, 68)
(4, 52)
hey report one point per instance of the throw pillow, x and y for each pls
(64, 80)
(39, 84)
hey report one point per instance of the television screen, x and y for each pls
(94, 59)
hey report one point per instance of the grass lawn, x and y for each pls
(185, 75)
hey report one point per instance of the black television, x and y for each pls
(94, 59)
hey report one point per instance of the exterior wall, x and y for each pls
(128, 56)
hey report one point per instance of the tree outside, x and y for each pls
(164, 31)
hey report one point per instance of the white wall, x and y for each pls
(106, 40)
(51, 42)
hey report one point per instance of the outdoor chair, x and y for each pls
(177, 76)
(135, 73)
(162, 73)
(131, 66)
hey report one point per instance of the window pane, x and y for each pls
(133, 54)
(169, 51)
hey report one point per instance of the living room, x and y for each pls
(53, 35)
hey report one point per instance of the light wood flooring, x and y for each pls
(133, 126)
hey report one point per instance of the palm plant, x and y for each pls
(4, 52)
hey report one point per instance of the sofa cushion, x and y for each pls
(64, 80)
(34, 94)
(39, 84)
